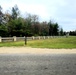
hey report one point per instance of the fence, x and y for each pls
(11, 39)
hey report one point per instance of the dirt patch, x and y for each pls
(29, 50)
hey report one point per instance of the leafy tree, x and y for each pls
(50, 28)
(3, 31)
(11, 24)
(35, 18)
(36, 29)
(55, 29)
(15, 12)
(44, 29)
(61, 32)
(1, 16)
(8, 17)
(28, 23)
(72, 33)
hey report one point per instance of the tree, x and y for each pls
(32, 24)
(28, 23)
(17, 27)
(50, 28)
(3, 31)
(8, 17)
(35, 18)
(61, 32)
(56, 29)
(15, 12)
(44, 29)
(36, 29)
(1, 16)
(73, 33)
(11, 24)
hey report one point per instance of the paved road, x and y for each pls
(26, 64)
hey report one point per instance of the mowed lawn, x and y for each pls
(64, 42)
(54, 43)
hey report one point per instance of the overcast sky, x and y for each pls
(61, 11)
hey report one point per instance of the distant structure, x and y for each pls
(67, 34)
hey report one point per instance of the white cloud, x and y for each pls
(34, 9)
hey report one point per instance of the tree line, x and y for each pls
(72, 33)
(12, 24)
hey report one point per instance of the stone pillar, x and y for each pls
(48, 37)
(14, 37)
(33, 37)
(39, 37)
(44, 37)
(67, 34)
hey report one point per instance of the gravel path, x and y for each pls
(29, 50)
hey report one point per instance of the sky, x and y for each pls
(61, 11)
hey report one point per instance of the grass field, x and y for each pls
(54, 43)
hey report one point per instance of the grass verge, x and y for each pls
(54, 43)
(66, 43)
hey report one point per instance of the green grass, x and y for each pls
(69, 42)
(56, 43)
(10, 44)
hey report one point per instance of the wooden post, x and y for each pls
(25, 40)
(0, 39)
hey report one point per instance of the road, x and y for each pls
(34, 64)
